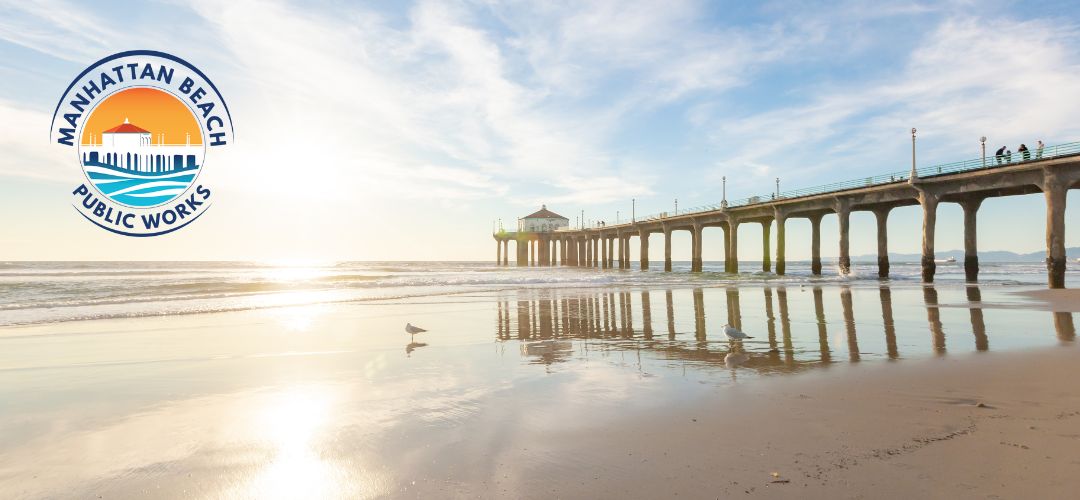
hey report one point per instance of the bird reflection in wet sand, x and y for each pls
(560, 326)
(735, 359)
(412, 346)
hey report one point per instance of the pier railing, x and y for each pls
(989, 162)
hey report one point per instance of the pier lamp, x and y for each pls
(723, 203)
(982, 140)
(777, 187)
(914, 174)
(616, 217)
(633, 210)
(676, 206)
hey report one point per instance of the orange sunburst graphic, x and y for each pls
(155, 111)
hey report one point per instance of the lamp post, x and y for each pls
(914, 174)
(676, 206)
(777, 187)
(582, 219)
(633, 210)
(983, 141)
(616, 217)
(723, 203)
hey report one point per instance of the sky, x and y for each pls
(406, 130)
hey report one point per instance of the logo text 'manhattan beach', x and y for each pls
(141, 123)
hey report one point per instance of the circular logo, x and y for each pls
(141, 124)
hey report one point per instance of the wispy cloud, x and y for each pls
(968, 77)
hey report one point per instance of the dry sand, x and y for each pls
(984, 426)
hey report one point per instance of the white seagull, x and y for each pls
(734, 333)
(413, 329)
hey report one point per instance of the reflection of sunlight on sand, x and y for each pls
(289, 422)
(292, 423)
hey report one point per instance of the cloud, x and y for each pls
(27, 152)
(965, 78)
(61, 29)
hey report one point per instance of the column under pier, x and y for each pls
(733, 246)
(929, 202)
(766, 263)
(882, 216)
(781, 264)
(815, 244)
(1055, 190)
(644, 237)
(695, 251)
(971, 250)
(843, 213)
(667, 250)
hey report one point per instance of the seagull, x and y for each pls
(413, 329)
(734, 333)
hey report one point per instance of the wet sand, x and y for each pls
(846, 391)
(998, 426)
(1062, 299)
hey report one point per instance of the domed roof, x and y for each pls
(544, 213)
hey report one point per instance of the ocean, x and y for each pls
(49, 292)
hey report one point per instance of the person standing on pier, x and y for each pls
(1008, 156)
(1039, 149)
(999, 154)
(1023, 150)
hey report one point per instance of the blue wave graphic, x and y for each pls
(139, 189)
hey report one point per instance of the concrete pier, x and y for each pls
(929, 202)
(968, 185)
(667, 249)
(781, 220)
(843, 212)
(695, 254)
(882, 218)
(733, 247)
(1054, 189)
(643, 236)
(971, 252)
(766, 229)
(815, 244)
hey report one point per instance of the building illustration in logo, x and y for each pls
(136, 166)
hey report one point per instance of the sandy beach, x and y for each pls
(847, 390)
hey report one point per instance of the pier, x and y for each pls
(1051, 172)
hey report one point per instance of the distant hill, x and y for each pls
(991, 256)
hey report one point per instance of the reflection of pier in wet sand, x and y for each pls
(791, 329)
